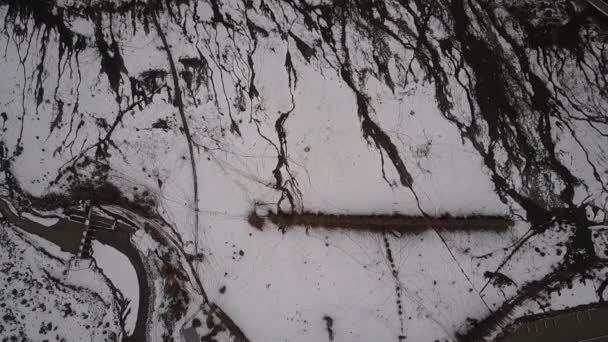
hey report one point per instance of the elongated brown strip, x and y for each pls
(401, 223)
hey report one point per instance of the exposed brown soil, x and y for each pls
(176, 298)
(395, 222)
(255, 220)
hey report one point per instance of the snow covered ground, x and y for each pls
(38, 302)
(118, 268)
(203, 112)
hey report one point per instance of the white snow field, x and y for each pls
(185, 117)
(118, 268)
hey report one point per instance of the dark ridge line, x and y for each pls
(384, 223)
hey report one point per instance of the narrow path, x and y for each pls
(178, 102)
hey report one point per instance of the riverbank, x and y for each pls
(66, 234)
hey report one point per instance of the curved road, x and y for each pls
(67, 234)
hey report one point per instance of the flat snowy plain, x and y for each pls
(198, 113)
